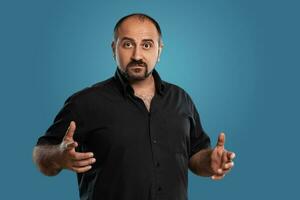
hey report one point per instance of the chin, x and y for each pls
(141, 75)
(137, 77)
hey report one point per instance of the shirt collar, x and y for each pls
(126, 87)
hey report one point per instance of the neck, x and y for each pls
(145, 90)
(147, 84)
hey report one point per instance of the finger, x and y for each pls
(225, 171)
(77, 156)
(81, 169)
(225, 168)
(221, 140)
(70, 131)
(228, 166)
(217, 177)
(223, 161)
(71, 145)
(84, 162)
(224, 157)
(67, 146)
(230, 155)
(220, 171)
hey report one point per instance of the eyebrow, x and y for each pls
(144, 40)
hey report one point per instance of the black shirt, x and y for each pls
(140, 154)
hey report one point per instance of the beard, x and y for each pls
(137, 70)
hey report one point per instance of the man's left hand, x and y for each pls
(221, 159)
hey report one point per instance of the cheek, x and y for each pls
(152, 59)
(122, 58)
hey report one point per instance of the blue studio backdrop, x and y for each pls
(238, 59)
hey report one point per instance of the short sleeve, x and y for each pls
(198, 138)
(57, 130)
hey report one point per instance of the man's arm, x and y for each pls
(51, 159)
(200, 163)
(45, 157)
(212, 162)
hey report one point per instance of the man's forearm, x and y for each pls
(200, 163)
(45, 157)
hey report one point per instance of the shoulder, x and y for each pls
(174, 91)
(93, 91)
(172, 88)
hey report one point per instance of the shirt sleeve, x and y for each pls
(57, 130)
(198, 138)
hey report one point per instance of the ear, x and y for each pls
(113, 47)
(159, 51)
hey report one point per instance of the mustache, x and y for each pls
(137, 62)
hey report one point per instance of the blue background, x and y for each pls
(239, 60)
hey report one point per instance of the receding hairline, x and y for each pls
(141, 17)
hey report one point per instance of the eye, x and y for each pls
(127, 44)
(147, 45)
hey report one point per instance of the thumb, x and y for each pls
(221, 140)
(70, 131)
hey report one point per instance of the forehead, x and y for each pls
(136, 28)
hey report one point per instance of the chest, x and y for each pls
(127, 127)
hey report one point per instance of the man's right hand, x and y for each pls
(69, 158)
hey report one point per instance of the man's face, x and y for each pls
(137, 48)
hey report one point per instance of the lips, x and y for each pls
(136, 68)
(136, 65)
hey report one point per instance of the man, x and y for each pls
(133, 136)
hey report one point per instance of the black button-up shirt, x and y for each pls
(140, 154)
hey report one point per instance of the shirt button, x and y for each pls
(157, 164)
(154, 141)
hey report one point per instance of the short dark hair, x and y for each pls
(142, 17)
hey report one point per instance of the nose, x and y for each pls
(136, 54)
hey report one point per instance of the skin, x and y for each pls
(136, 50)
(137, 41)
(51, 159)
(216, 162)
